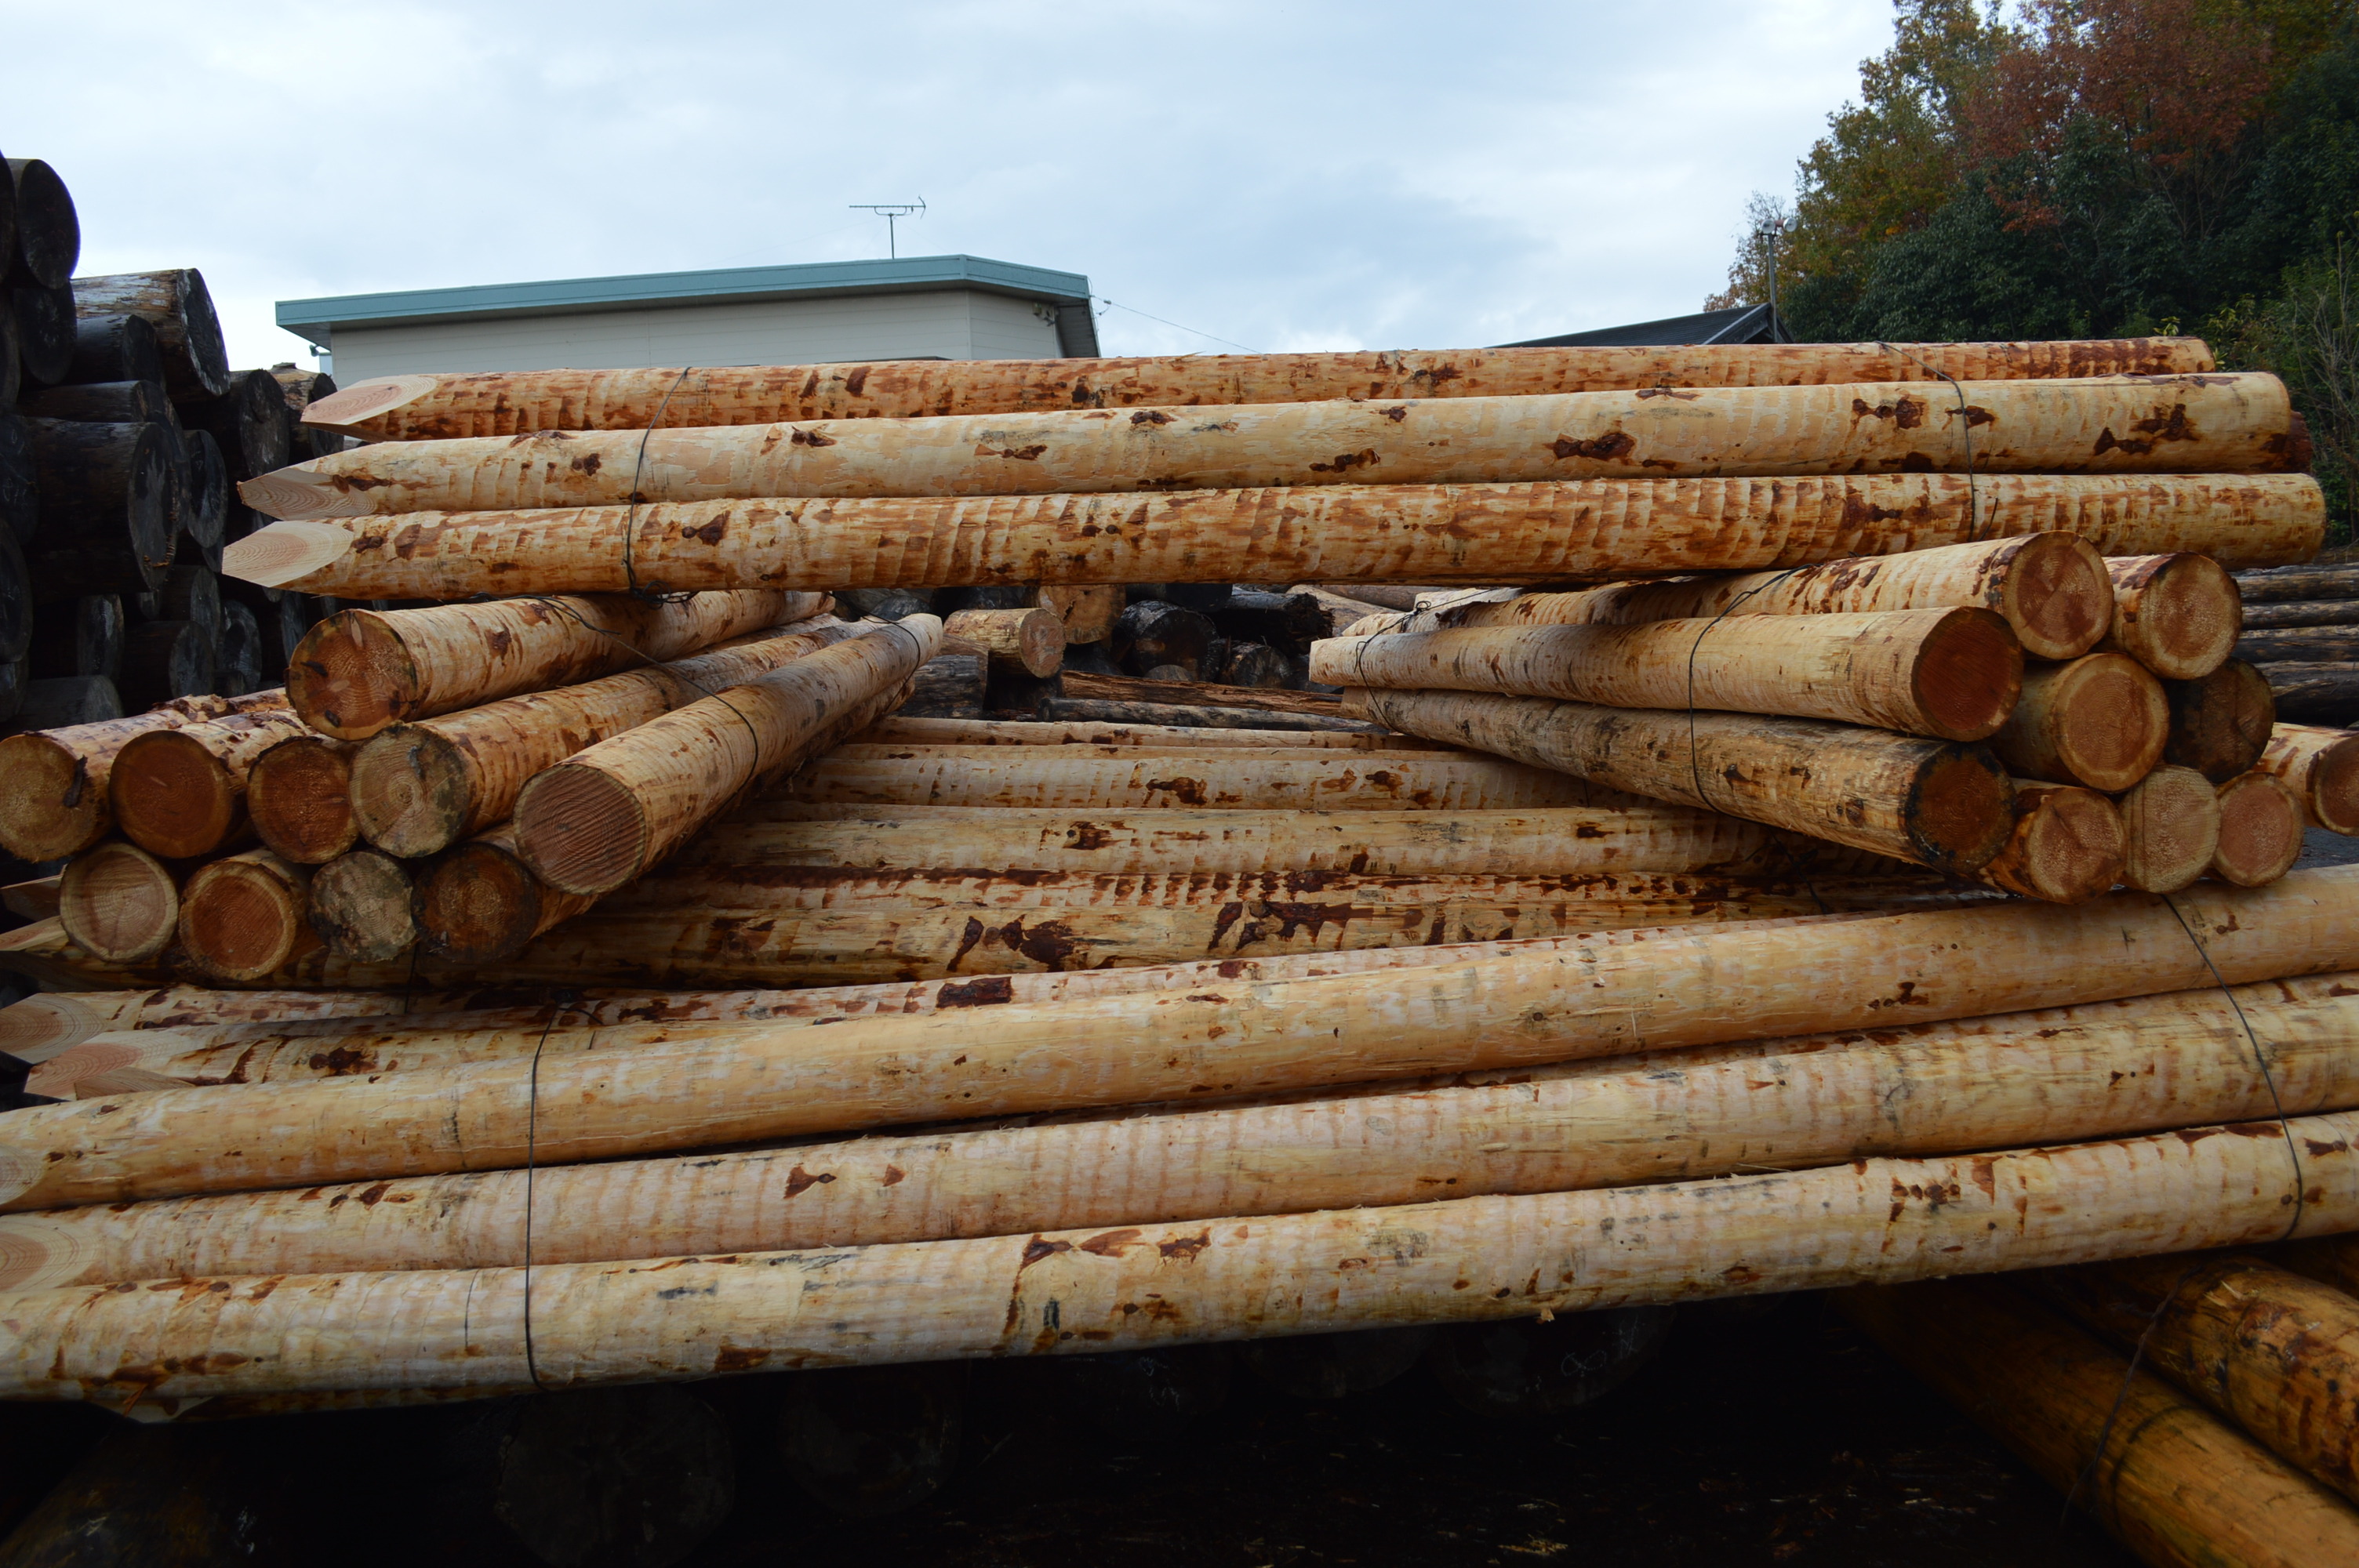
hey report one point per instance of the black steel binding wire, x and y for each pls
(560, 1004)
(638, 468)
(1965, 432)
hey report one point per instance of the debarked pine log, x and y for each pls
(429, 407)
(2177, 1488)
(359, 903)
(902, 730)
(1935, 802)
(1553, 1005)
(242, 917)
(53, 782)
(119, 901)
(603, 817)
(1084, 710)
(2321, 767)
(2171, 822)
(298, 795)
(360, 670)
(1951, 674)
(2222, 424)
(416, 788)
(2050, 1076)
(2050, 588)
(2178, 614)
(1478, 1259)
(2068, 846)
(1453, 533)
(2101, 721)
(479, 903)
(1028, 641)
(181, 793)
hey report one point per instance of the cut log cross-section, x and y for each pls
(360, 670)
(242, 917)
(181, 793)
(2099, 721)
(1485, 533)
(2321, 767)
(1030, 641)
(54, 782)
(1935, 802)
(2069, 845)
(298, 794)
(178, 304)
(479, 903)
(1951, 674)
(120, 902)
(2220, 724)
(2178, 614)
(359, 905)
(601, 819)
(2260, 830)
(2172, 823)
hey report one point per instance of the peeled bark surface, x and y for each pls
(2220, 724)
(2171, 820)
(1479, 1258)
(2235, 424)
(177, 304)
(181, 793)
(1217, 780)
(438, 407)
(1951, 674)
(361, 670)
(1087, 612)
(1596, 528)
(2101, 721)
(417, 788)
(120, 902)
(2068, 846)
(2051, 589)
(299, 794)
(2176, 614)
(1934, 803)
(1030, 641)
(479, 903)
(2274, 1353)
(54, 782)
(2049, 1076)
(2177, 1488)
(1126, 688)
(1547, 1006)
(1085, 710)
(242, 917)
(359, 905)
(606, 815)
(2260, 830)
(903, 729)
(2321, 768)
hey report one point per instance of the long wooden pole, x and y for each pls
(1488, 533)
(1934, 803)
(2052, 1077)
(608, 814)
(53, 793)
(2176, 1486)
(1545, 1007)
(2170, 822)
(299, 794)
(905, 730)
(2229, 424)
(428, 407)
(417, 788)
(2101, 721)
(2176, 614)
(1951, 674)
(2321, 767)
(1469, 1260)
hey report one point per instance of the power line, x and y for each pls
(1191, 330)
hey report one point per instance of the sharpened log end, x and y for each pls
(1959, 808)
(582, 830)
(38, 1027)
(49, 808)
(172, 796)
(351, 676)
(242, 917)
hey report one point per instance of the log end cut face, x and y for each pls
(119, 902)
(582, 830)
(299, 796)
(240, 919)
(39, 1027)
(286, 553)
(2070, 845)
(49, 808)
(2334, 786)
(351, 676)
(360, 906)
(173, 798)
(2057, 596)
(37, 1253)
(2173, 820)
(477, 905)
(2261, 831)
(2186, 617)
(1968, 674)
(409, 792)
(2220, 724)
(2110, 721)
(1959, 808)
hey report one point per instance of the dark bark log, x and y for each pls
(2300, 645)
(237, 665)
(14, 678)
(1382, 595)
(1201, 597)
(171, 1494)
(49, 234)
(205, 493)
(884, 604)
(2302, 612)
(20, 503)
(11, 369)
(870, 1440)
(1100, 711)
(1253, 664)
(66, 701)
(103, 402)
(42, 1443)
(190, 593)
(948, 602)
(2220, 724)
(78, 637)
(196, 362)
(104, 525)
(1288, 622)
(1335, 1365)
(2285, 585)
(1089, 659)
(284, 624)
(248, 420)
(1118, 688)
(1153, 633)
(1148, 1396)
(15, 601)
(1525, 1366)
(2315, 694)
(165, 659)
(950, 685)
(116, 348)
(45, 332)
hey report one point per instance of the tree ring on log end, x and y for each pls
(360, 905)
(351, 675)
(172, 796)
(2173, 820)
(342, 409)
(582, 830)
(2057, 596)
(119, 901)
(476, 904)
(1959, 808)
(2189, 617)
(49, 808)
(2261, 831)
(1968, 674)
(409, 794)
(2112, 722)
(240, 919)
(2334, 787)
(300, 795)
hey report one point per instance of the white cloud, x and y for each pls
(1281, 175)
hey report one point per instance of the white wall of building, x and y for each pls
(951, 324)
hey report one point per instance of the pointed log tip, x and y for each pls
(286, 553)
(39, 1027)
(39, 1254)
(295, 495)
(345, 410)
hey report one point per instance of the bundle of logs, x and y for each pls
(1808, 824)
(2301, 623)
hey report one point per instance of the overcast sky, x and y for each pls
(1278, 176)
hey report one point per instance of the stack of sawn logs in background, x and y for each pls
(1362, 905)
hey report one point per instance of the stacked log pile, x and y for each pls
(1789, 812)
(2299, 624)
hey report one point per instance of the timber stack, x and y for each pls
(1531, 776)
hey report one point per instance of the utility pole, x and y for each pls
(892, 212)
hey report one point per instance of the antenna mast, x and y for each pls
(892, 212)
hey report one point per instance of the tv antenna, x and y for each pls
(892, 212)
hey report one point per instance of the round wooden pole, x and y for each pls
(242, 917)
(2069, 845)
(479, 903)
(2101, 721)
(182, 792)
(53, 782)
(359, 904)
(1030, 641)
(178, 304)
(2321, 768)
(119, 901)
(298, 794)
(2178, 614)
(2172, 818)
